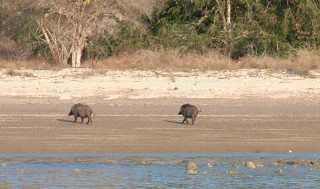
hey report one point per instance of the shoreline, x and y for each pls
(153, 126)
(136, 111)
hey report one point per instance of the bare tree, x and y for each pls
(67, 24)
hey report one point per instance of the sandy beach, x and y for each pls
(136, 111)
(67, 84)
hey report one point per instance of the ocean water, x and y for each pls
(159, 170)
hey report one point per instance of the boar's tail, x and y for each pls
(199, 111)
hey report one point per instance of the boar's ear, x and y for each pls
(72, 108)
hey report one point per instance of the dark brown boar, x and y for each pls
(82, 111)
(188, 111)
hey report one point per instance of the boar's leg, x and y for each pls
(185, 120)
(89, 120)
(75, 119)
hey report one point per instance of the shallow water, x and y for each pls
(159, 170)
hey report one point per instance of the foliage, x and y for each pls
(21, 28)
(126, 39)
(258, 27)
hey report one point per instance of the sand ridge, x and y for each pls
(71, 83)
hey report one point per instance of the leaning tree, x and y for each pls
(66, 25)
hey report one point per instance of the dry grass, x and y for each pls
(8, 48)
(169, 60)
(143, 6)
(11, 72)
(301, 63)
(28, 64)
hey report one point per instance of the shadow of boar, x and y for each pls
(188, 111)
(82, 111)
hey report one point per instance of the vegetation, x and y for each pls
(235, 29)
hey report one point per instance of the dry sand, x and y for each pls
(136, 111)
(135, 84)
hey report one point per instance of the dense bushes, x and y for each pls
(20, 28)
(258, 27)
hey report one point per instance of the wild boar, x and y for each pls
(81, 110)
(188, 111)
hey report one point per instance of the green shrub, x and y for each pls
(265, 27)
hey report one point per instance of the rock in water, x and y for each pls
(279, 171)
(209, 165)
(250, 165)
(192, 168)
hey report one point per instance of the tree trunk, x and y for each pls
(229, 26)
(76, 54)
(228, 14)
(221, 11)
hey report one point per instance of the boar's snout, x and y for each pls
(72, 109)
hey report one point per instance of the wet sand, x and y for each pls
(152, 125)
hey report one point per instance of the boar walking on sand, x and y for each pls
(188, 111)
(82, 111)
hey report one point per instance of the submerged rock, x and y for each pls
(3, 164)
(192, 168)
(259, 165)
(279, 171)
(146, 162)
(313, 169)
(20, 170)
(296, 166)
(237, 164)
(209, 165)
(76, 170)
(315, 163)
(232, 172)
(281, 161)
